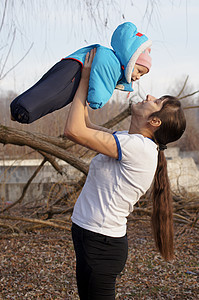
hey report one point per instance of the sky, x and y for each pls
(52, 31)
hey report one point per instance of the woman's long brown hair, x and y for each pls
(171, 129)
(162, 216)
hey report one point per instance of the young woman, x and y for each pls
(118, 176)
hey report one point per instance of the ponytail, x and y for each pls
(173, 124)
(162, 215)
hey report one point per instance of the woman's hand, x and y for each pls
(87, 64)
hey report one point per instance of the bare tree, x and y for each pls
(97, 13)
(8, 33)
(18, 18)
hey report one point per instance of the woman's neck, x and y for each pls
(139, 126)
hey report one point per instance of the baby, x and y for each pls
(111, 68)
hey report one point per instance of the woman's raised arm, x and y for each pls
(78, 127)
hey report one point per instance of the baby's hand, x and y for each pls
(87, 64)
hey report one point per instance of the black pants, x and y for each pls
(99, 259)
(53, 91)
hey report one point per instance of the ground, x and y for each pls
(41, 265)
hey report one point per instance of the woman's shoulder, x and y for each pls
(135, 145)
(135, 137)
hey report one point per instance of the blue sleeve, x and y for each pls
(130, 146)
(118, 146)
(105, 73)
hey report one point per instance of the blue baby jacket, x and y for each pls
(113, 68)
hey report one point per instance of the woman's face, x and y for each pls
(147, 107)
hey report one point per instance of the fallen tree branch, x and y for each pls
(52, 161)
(11, 227)
(76, 187)
(120, 117)
(65, 143)
(181, 217)
(46, 223)
(24, 138)
(52, 145)
(51, 212)
(60, 141)
(177, 217)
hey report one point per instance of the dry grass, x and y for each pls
(41, 265)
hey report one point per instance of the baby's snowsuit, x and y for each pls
(110, 69)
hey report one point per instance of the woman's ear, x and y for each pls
(155, 122)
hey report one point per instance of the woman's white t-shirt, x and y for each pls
(113, 186)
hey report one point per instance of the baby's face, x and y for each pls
(138, 72)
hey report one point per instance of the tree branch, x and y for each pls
(52, 160)
(46, 223)
(188, 95)
(183, 87)
(23, 138)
